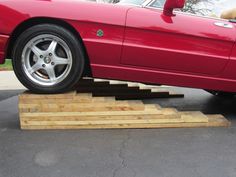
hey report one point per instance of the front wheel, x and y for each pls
(48, 59)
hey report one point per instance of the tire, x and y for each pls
(48, 59)
(221, 94)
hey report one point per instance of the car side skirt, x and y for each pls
(162, 77)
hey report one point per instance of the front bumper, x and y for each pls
(3, 47)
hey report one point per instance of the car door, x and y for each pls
(182, 43)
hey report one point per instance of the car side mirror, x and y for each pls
(170, 5)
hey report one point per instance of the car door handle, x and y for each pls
(224, 25)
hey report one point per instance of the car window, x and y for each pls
(208, 8)
(158, 4)
(134, 2)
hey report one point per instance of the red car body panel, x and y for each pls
(79, 15)
(169, 43)
(3, 44)
(139, 44)
(230, 72)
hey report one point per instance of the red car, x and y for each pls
(53, 43)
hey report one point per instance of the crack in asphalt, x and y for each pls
(121, 155)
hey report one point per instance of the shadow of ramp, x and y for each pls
(5, 94)
(9, 116)
(222, 105)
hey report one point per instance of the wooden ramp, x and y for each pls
(84, 111)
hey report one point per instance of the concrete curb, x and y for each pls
(8, 81)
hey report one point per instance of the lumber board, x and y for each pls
(81, 107)
(95, 120)
(50, 96)
(217, 121)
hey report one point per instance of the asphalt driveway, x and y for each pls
(197, 152)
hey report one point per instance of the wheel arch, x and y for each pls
(42, 20)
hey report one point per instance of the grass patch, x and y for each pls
(6, 66)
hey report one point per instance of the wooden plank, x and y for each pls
(164, 111)
(112, 122)
(89, 120)
(196, 116)
(28, 95)
(55, 103)
(106, 113)
(191, 117)
(79, 108)
(75, 99)
(213, 122)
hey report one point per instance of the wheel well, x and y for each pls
(41, 20)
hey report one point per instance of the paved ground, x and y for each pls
(199, 152)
